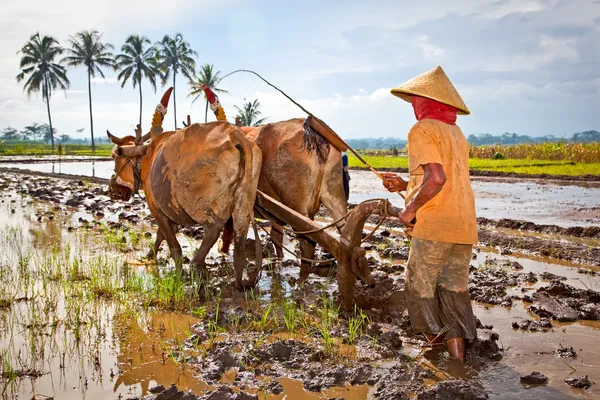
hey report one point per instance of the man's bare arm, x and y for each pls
(433, 181)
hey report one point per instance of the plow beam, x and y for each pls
(345, 247)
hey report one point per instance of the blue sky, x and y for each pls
(525, 66)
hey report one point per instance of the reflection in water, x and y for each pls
(148, 348)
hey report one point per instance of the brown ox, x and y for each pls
(203, 174)
(301, 170)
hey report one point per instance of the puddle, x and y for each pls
(561, 205)
(97, 169)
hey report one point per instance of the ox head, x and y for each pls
(128, 151)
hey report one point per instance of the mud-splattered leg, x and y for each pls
(453, 294)
(227, 237)
(307, 250)
(239, 256)
(425, 261)
(277, 238)
(154, 249)
(166, 227)
(211, 234)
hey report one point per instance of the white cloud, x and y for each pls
(429, 49)
(110, 80)
(549, 50)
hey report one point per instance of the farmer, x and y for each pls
(439, 214)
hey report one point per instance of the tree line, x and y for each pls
(44, 65)
(513, 138)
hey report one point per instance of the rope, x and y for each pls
(381, 208)
(310, 114)
(310, 260)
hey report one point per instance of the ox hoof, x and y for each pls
(245, 285)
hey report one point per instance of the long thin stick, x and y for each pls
(312, 115)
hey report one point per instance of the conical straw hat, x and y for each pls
(434, 85)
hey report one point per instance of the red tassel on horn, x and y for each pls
(210, 96)
(165, 99)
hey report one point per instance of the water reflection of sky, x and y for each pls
(523, 200)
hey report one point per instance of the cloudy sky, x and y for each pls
(525, 66)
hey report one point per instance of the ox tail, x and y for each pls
(242, 163)
(312, 141)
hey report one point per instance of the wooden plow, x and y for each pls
(345, 246)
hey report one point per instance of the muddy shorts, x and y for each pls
(437, 291)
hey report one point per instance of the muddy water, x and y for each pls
(562, 205)
(99, 348)
(97, 169)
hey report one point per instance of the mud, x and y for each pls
(534, 378)
(234, 352)
(581, 382)
(576, 231)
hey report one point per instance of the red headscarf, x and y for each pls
(431, 109)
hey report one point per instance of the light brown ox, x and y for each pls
(301, 170)
(204, 174)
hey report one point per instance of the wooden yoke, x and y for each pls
(352, 263)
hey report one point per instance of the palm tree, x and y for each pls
(205, 77)
(249, 113)
(44, 74)
(176, 55)
(137, 60)
(87, 49)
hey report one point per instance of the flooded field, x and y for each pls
(563, 203)
(84, 316)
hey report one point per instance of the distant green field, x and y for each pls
(39, 149)
(516, 165)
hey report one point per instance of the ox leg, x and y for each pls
(307, 250)
(168, 230)
(211, 234)
(159, 239)
(154, 249)
(227, 237)
(277, 238)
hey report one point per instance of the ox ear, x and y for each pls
(114, 139)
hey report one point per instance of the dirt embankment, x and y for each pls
(592, 232)
(500, 174)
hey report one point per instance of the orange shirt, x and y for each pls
(450, 216)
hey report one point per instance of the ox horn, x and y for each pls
(132, 151)
(215, 104)
(159, 114)
(114, 139)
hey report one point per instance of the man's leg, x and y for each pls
(425, 261)
(454, 300)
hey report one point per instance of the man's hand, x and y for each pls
(407, 217)
(393, 182)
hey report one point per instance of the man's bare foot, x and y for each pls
(456, 348)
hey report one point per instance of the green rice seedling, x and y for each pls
(199, 312)
(290, 315)
(263, 323)
(8, 374)
(356, 323)
(213, 327)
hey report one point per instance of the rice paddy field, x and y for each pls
(521, 166)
